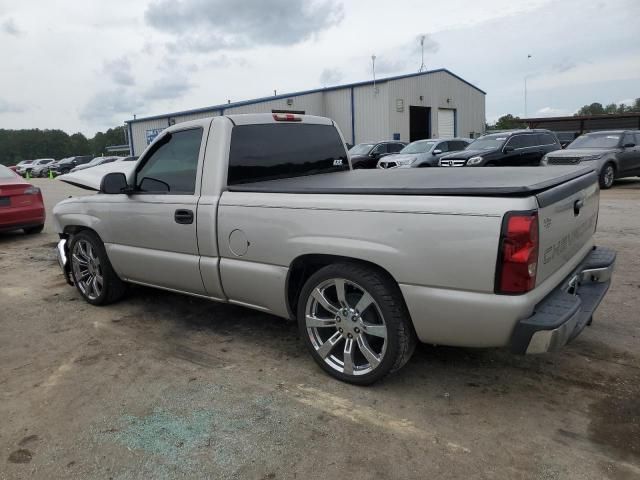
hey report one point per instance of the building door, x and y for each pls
(419, 123)
(446, 123)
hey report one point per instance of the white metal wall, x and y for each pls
(376, 113)
(311, 104)
(371, 113)
(337, 106)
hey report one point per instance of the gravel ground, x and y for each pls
(168, 386)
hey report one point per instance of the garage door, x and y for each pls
(446, 123)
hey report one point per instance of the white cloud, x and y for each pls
(98, 77)
(9, 26)
(552, 112)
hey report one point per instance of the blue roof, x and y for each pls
(224, 106)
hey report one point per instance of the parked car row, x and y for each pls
(615, 154)
(42, 166)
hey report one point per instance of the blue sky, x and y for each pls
(85, 69)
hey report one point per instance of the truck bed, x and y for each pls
(499, 181)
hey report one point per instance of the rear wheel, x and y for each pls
(354, 322)
(32, 230)
(607, 176)
(92, 272)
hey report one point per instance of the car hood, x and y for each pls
(467, 154)
(581, 152)
(90, 178)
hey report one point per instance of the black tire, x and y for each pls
(113, 289)
(400, 335)
(34, 230)
(607, 176)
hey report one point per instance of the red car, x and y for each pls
(21, 205)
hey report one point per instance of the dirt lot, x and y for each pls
(167, 386)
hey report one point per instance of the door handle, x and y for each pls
(184, 217)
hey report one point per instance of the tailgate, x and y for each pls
(568, 214)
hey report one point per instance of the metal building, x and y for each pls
(431, 104)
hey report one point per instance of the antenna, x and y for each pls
(422, 67)
(373, 69)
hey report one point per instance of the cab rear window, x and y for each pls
(282, 150)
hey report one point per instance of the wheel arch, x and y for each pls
(303, 266)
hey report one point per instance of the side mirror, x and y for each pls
(114, 183)
(508, 149)
(629, 145)
(437, 151)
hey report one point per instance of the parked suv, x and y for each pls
(423, 153)
(366, 155)
(40, 168)
(65, 165)
(614, 154)
(29, 167)
(517, 148)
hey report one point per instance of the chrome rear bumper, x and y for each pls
(567, 310)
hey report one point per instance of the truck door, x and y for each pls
(152, 232)
(629, 157)
(514, 152)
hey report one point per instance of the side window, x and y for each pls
(548, 139)
(517, 141)
(637, 134)
(380, 149)
(628, 138)
(172, 167)
(460, 145)
(442, 146)
(531, 140)
(395, 147)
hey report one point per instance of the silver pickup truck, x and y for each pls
(264, 211)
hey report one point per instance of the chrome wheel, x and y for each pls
(87, 270)
(346, 327)
(609, 175)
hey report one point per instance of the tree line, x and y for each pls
(18, 145)
(509, 121)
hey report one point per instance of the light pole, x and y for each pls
(525, 87)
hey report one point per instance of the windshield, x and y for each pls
(488, 142)
(596, 140)
(66, 160)
(361, 149)
(421, 146)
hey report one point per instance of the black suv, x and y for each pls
(66, 164)
(518, 148)
(366, 155)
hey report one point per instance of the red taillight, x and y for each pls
(286, 117)
(518, 255)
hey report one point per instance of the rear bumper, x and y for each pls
(15, 218)
(563, 314)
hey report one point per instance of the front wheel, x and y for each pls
(607, 176)
(355, 323)
(92, 272)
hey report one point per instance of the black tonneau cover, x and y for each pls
(462, 181)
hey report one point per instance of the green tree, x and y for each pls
(593, 109)
(508, 122)
(611, 108)
(79, 144)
